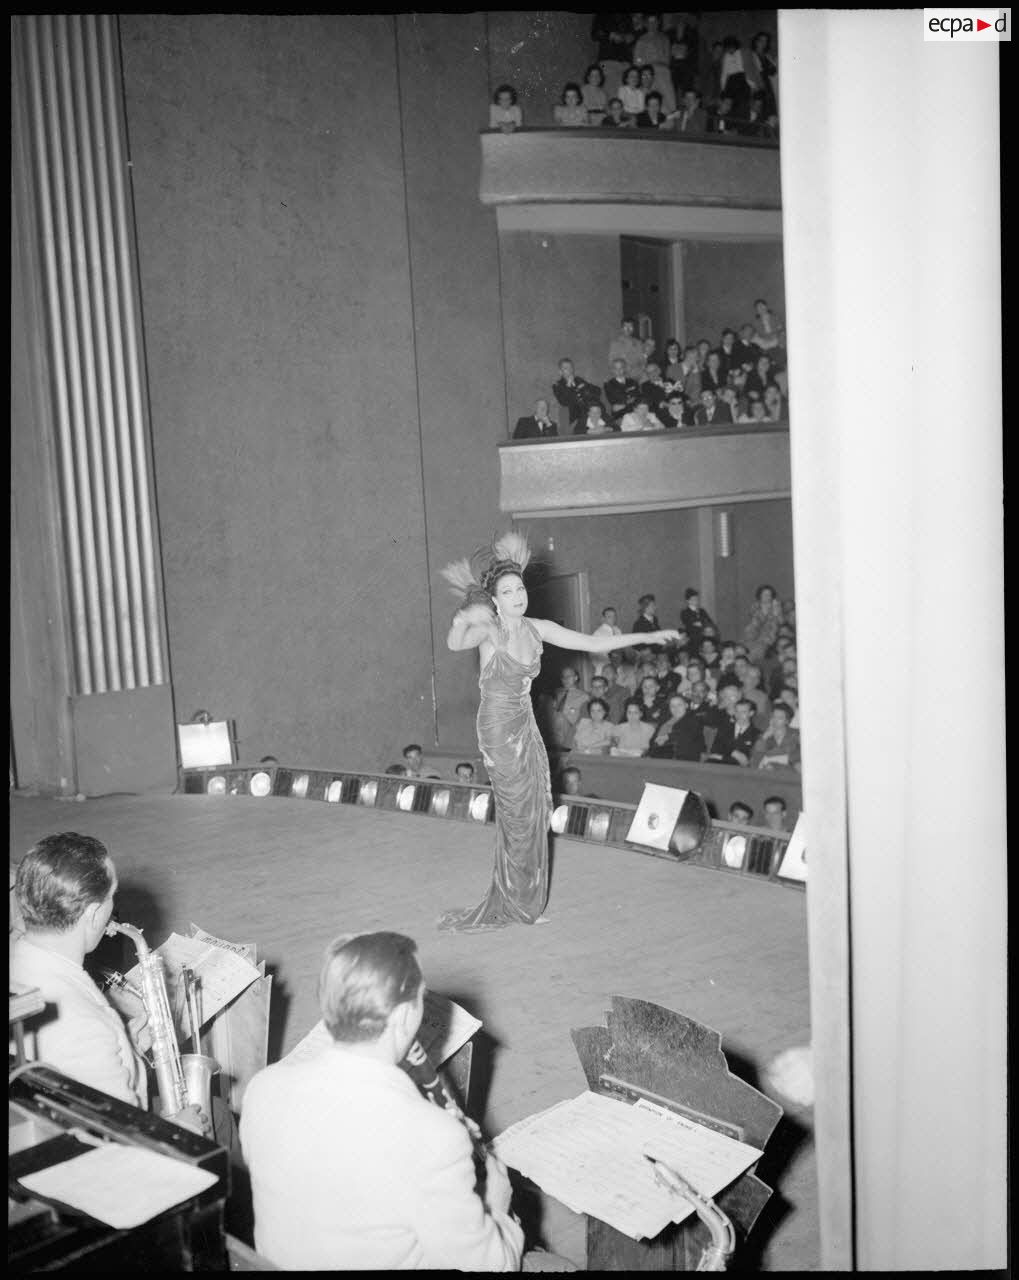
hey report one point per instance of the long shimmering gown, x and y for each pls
(514, 755)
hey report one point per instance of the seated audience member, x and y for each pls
(668, 680)
(774, 403)
(538, 424)
(691, 117)
(690, 373)
(779, 746)
(676, 413)
(571, 783)
(694, 620)
(647, 617)
(627, 347)
(791, 698)
(761, 630)
(745, 348)
(574, 393)
(678, 734)
(755, 414)
(653, 388)
(702, 707)
(735, 740)
(351, 1167)
(593, 94)
(641, 418)
(650, 352)
(672, 361)
(712, 412)
(728, 352)
(727, 396)
(703, 348)
(775, 813)
(570, 694)
(760, 376)
(504, 113)
(631, 94)
(650, 700)
(761, 123)
(412, 763)
(652, 117)
(735, 847)
(723, 122)
(594, 424)
(752, 690)
(620, 391)
(615, 117)
(64, 889)
(465, 771)
(711, 374)
(571, 112)
(633, 736)
(616, 694)
(593, 735)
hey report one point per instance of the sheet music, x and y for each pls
(589, 1152)
(445, 1027)
(222, 975)
(246, 950)
(120, 1184)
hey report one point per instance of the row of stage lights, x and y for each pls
(603, 822)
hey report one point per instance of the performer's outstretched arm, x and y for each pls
(553, 633)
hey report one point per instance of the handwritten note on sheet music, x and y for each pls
(589, 1153)
(119, 1184)
(222, 975)
(445, 1027)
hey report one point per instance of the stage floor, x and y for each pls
(726, 950)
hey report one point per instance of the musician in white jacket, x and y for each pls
(351, 1167)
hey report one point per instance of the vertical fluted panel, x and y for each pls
(89, 291)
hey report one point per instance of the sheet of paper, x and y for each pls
(246, 950)
(445, 1027)
(222, 975)
(589, 1152)
(119, 1184)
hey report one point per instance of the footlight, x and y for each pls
(440, 804)
(216, 786)
(260, 783)
(405, 797)
(368, 792)
(480, 806)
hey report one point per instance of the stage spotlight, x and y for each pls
(216, 785)
(440, 803)
(368, 792)
(480, 806)
(692, 825)
(260, 784)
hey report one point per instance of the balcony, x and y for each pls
(653, 471)
(647, 183)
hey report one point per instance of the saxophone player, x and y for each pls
(64, 890)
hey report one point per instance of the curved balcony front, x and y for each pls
(652, 471)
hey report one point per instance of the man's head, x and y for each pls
(67, 882)
(740, 666)
(566, 368)
(709, 649)
(781, 714)
(465, 771)
(608, 673)
(678, 706)
(569, 677)
(412, 754)
(744, 711)
(654, 371)
(774, 813)
(599, 686)
(740, 813)
(649, 688)
(628, 325)
(692, 597)
(371, 992)
(619, 368)
(691, 99)
(698, 693)
(609, 615)
(708, 398)
(541, 408)
(728, 695)
(569, 781)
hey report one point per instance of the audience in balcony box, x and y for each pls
(620, 391)
(599, 688)
(631, 94)
(735, 739)
(593, 94)
(594, 424)
(593, 735)
(537, 424)
(672, 362)
(678, 734)
(775, 404)
(654, 388)
(711, 412)
(633, 736)
(753, 691)
(640, 418)
(574, 393)
(504, 113)
(614, 35)
(571, 112)
(691, 116)
(653, 117)
(616, 117)
(647, 616)
(626, 346)
(675, 412)
(649, 696)
(729, 352)
(779, 746)
(653, 50)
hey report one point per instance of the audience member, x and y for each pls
(728, 352)
(571, 112)
(647, 616)
(765, 71)
(654, 49)
(712, 412)
(678, 734)
(640, 418)
(627, 347)
(732, 78)
(630, 93)
(711, 374)
(626, 676)
(607, 627)
(633, 736)
(755, 413)
(351, 1168)
(594, 423)
(615, 117)
(614, 35)
(538, 424)
(574, 393)
(735, 848)
(616, 694)
(676, 412)
(668, 680)
(690, 375)
(752, 690)
(650, 700)
(653, 117)
(594, 731)
(695, 620)
(593, 93)
(570, 694)
(769, 332)
(760, 376)
(691, 116)
(465, 771)
(620, 391)
(654, 388)
(571, 781)
(762, 628)
(504, 112)
(775, 813)
(774, 403)
(672, 359)
(735, 740)
(722, 121)
(682, 66)
(779, 746)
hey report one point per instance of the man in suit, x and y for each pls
(539, 424)
(351, 1167)
(691, 116)
(574, 393)
(711, 411)
(620, 392)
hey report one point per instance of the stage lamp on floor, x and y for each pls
(441, 802)
(368, 792)
(216, 786)
(480, 807)
(205, 742)
(260, 783)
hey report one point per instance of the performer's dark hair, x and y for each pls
(363, 979)
(500, 569)
(59, 878)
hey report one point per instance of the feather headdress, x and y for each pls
(508, 551)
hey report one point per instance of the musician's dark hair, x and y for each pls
(59, 878)
(364, 978)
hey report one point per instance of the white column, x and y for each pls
(891, 203)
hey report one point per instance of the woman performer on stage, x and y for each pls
(492, 619)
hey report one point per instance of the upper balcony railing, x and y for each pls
(629, 166)
(646, 471)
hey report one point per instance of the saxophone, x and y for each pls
(182, 1080)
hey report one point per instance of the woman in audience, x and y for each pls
(672, 364)
(754, 413)
(504, 113)
(631, 94)
(649, 699)
(593, 93)
(761, 630)
(653, 49)
(594, 424)
(711, 374)
(766, 69)
(615, 117)
(571, 112)
(641, 418)
(774, 403)
(626, 677)
(652, 117)
(769, 332)
(633, 736)
(593, 735)
(760, 375)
